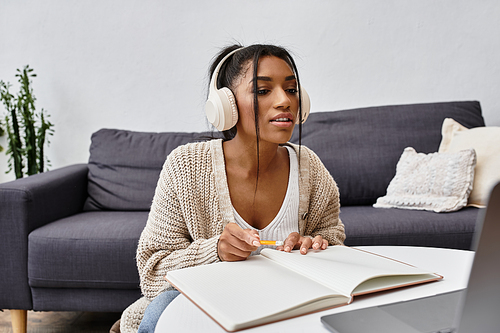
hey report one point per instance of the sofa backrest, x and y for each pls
(361, 147)
(124, 167)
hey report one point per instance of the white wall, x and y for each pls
(141, 64)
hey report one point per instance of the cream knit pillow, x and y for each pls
(440, 182)
(486, 142)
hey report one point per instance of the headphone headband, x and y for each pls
(215, 75)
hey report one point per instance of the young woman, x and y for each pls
(216, 200)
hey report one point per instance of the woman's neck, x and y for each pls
(243, 154)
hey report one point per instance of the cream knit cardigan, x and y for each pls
(191, 207)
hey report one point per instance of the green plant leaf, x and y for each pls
(26, 129)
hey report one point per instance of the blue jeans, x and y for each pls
(155, 309)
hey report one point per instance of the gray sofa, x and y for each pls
(68, 237)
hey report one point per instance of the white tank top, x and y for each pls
(286, 221)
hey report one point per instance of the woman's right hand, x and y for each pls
(237, 244)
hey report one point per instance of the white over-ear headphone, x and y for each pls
(221, 108)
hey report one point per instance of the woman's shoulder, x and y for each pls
(304, 151)
(193, 155)
(310, 162)
(194, 148)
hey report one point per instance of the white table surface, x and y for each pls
(183, 316)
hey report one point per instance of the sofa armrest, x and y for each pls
(26, 204)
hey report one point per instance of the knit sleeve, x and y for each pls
(182, 228)
(324, 204)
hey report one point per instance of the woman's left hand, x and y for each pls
(296, 241)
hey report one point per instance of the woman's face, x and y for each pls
(278, 101)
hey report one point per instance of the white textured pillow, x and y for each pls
(440, 182)
(486, 143)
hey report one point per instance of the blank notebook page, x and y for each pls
(244, 290)
(342, 268)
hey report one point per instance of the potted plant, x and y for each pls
(26, 129)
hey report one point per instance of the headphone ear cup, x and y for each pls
(305, 106)
(229, 108)
(221, 109)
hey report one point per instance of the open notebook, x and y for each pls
(276, 285)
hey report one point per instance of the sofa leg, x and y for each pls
(19, 320)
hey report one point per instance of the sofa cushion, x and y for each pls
(361, 147)
(365, 225)
(439, 182)
(486, 142)
(124, 167)
(87, 250)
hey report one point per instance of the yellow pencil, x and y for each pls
(270, 242)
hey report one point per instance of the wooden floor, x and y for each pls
(63, 322)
